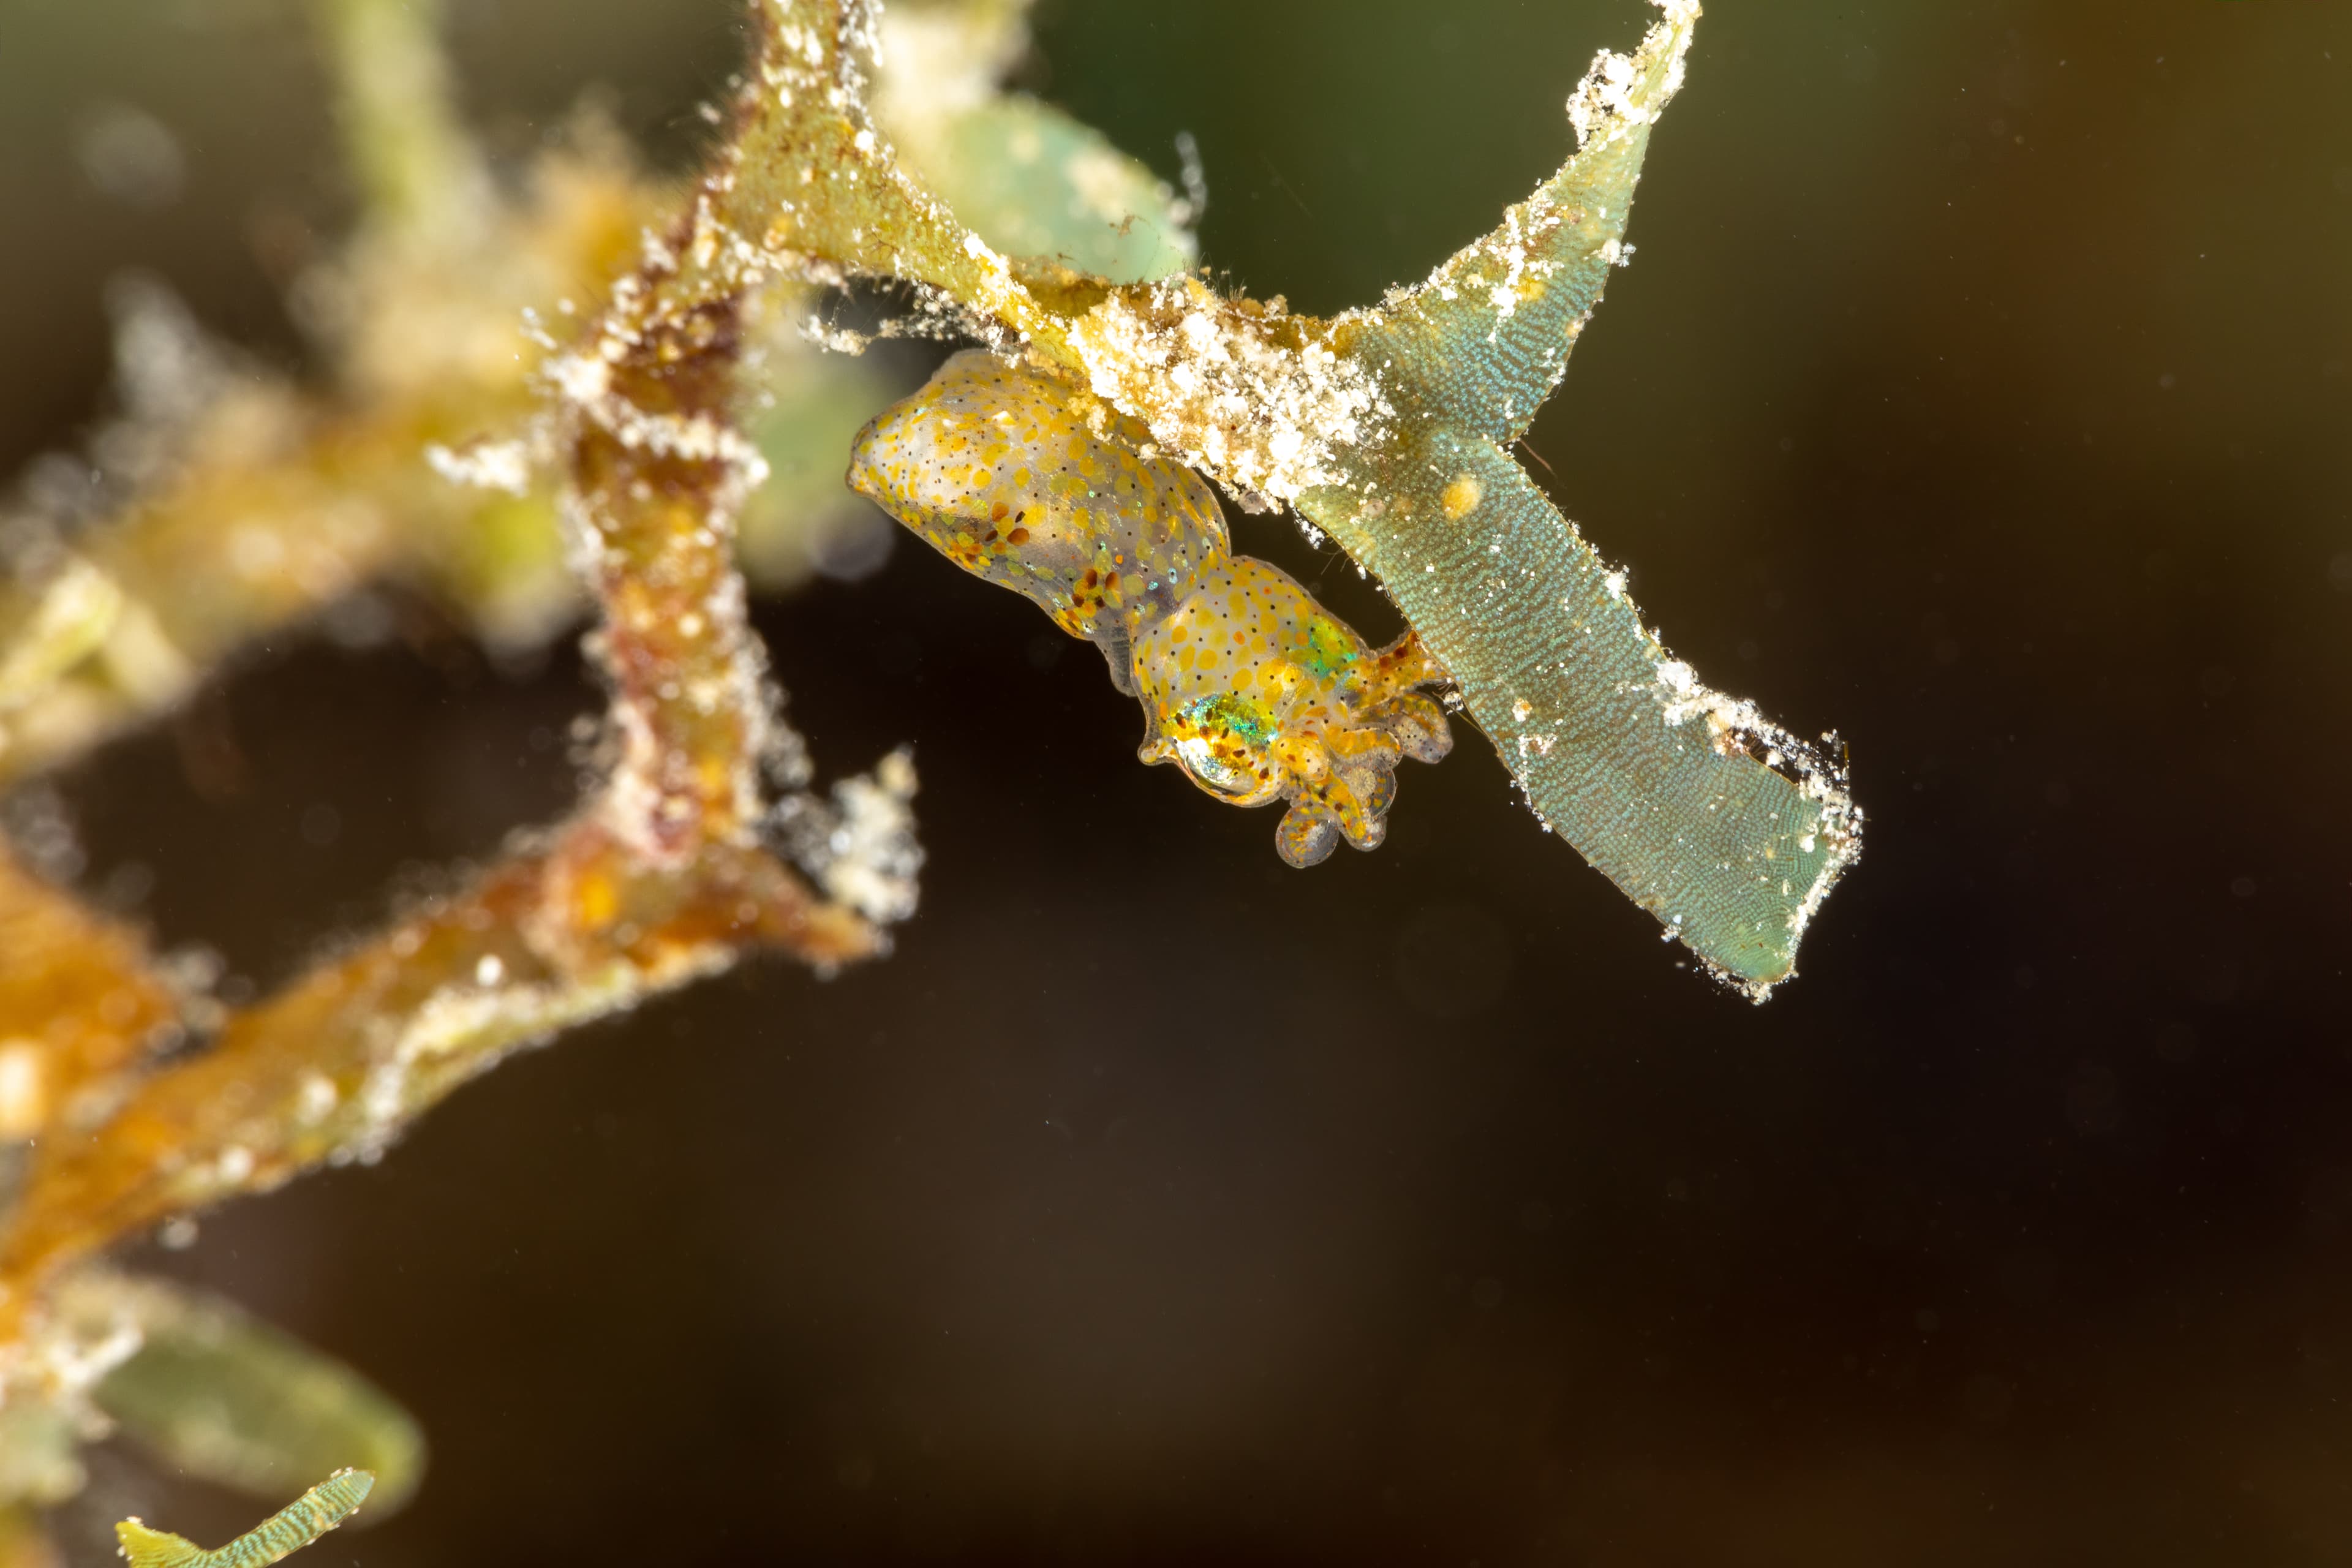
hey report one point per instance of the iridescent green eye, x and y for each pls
(1243, 717)
(1224, 735)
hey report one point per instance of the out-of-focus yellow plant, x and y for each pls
(633, 435)
(451, 449)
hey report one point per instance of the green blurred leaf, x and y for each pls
(226, 1398)
(1032, 181)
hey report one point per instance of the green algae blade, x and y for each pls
(279, 1536)
(1030, 180)
(1484, 341)
(1715, 819)
(226, 1398)
(1033, 182)
(1721, 824)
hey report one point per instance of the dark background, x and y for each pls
(1980, 390)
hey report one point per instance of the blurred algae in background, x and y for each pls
(1979, 386)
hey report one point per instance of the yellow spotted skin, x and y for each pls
(1043, 490)
(1258, 694)
(1246, 683)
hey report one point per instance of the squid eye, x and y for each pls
(1225, 775)
(1228, 731)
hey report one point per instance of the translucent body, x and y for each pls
(1042, 490)
(1246, 683)
(1257, 693)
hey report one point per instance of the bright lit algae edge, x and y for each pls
(1707, 815)
(1389, 428)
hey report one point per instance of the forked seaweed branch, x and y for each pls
(683, 426)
